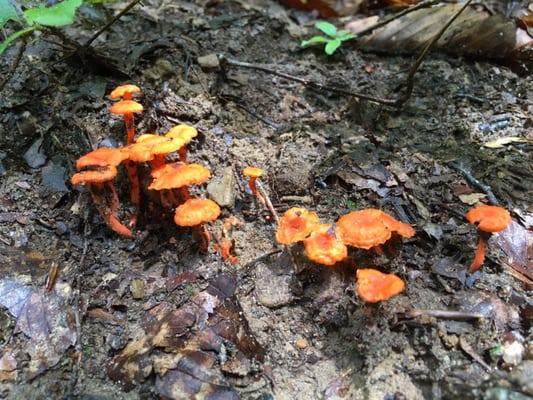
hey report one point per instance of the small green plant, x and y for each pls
(31, 19)
(333, 40)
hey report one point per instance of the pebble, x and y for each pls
(222, 189)
(209, 61)
(272, 290)
(137, 289)
(301, 344)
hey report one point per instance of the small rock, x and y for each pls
(272, 290)
(53, 178)
(294, 178)
(209, 61)
(222, 189)
(301, 344)
(35, 156)
(522, 374)
(137, 289)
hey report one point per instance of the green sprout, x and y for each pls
(31, 19)
(333, 40)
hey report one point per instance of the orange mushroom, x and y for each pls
(183, 133)
(101, 157)
(195, 213)
(295, 225)
(323, 247)
(96, 179)
(489, 219)
(253, 173)
(369, 228)
(179, 176)
(374, 286)
(158, 147)
(124, 92)
(226, 245)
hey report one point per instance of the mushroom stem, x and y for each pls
(479, 255)
(183, 153)
(108, 213)
(205, 237)
(157, 162)
(130, 128)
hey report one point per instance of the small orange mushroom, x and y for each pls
(96, 179)
(179, 176)
(195, 213)
(124, 92)
(489, 219)
(183, 133)
(370, 227)
(374, 286)
(295, 225)
(253, 173)
(101, 157)
(323, 247)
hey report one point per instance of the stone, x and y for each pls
(272, 290)
(222, 188)
(209, 61)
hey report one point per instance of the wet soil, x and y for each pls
(300, 332)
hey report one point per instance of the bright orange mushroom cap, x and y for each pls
(295, 225)
(196, 211)
(176, 175)
(160, 144)
(126, 107)
(363, 229)
(101, 157)
(374, 286)
(323, 247)
(99, 175)
(124, 91)
(182, 132)
(370, 227)
(489, 218)
(252, 172)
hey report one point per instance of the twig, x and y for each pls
(224, 61)
(370, 29)
(14, 65)
(443, 314)
(111, 22)
(274, 125)
(261, 258)
(465, 346)
(268, 202)
(414, 68)
(472, 180)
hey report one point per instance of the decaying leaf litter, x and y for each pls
(154, 317)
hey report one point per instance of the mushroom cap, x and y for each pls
(176, 175)
(122, 90)
(252, 172)
(401, 228)
(160, 144)
(126, 107)
(295, 225)
(374, 286)
(138, 152)
(196, 211)
(101, 157)
(323, 247)
(182, 132)
(99, 175)
(489, 218)
(363, 229)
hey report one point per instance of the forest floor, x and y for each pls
(153, 317)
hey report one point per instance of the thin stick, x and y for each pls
(268, 202)
(472, 180)
(370, 29)
(224, 61)
(414, 68)
(111, 22)
(443, 314)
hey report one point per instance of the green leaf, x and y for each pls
(332, 46)
(314, 40)
(345, 35)
(59, 14)
(327, 28)
(14, 36)
(7, 11)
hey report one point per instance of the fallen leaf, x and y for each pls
(501, 142)
(472, 198)
(517, 244)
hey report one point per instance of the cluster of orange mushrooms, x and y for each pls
(325, 244)
(98, 168)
